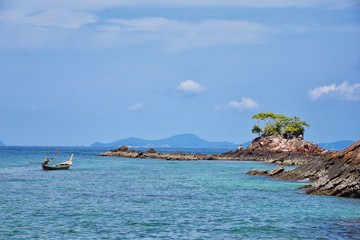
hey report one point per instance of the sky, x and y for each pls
(74, 72)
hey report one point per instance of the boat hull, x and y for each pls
(54, 167)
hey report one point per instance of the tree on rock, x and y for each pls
(278, 124)
(294, 127)
(257, 129)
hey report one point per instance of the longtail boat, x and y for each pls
(60, 166)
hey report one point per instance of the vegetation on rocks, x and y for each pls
(278, 124)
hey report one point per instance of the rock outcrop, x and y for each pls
(278, 144)
(334, 174)
(125, 152)
(279, 150)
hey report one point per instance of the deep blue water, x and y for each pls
(118, 198)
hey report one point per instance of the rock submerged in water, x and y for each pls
(266, 172)
(258, 172)
(276, 171)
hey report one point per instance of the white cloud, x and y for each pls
(190, 86)
(345, 91)
(245, 103)
(136, 107)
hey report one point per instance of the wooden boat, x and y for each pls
(60, 166)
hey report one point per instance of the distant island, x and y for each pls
(177, 141)
(193, 141)
(1, 143)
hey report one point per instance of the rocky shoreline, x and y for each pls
(281, 158)
(332, 173)
(268, 149)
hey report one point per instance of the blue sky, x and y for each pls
(76, 72)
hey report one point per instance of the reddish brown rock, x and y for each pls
(278, 144)
(335, 174)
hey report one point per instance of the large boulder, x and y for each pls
(122, 149)
(151, 150)
(277, 144)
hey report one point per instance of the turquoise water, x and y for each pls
(117, 198)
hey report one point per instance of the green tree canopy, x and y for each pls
(257, 129)
(278, 124)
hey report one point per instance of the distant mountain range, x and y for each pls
(1, 143)
(338, 145)
(193, 141)
(177, 141)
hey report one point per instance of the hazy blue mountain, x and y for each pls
(1, 143)
(177, 141)
(193, 141)
(338, 145)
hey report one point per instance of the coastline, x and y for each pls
(330, 173)
(281, 158)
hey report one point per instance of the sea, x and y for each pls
(119, 198)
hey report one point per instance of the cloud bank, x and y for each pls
(344, 91)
